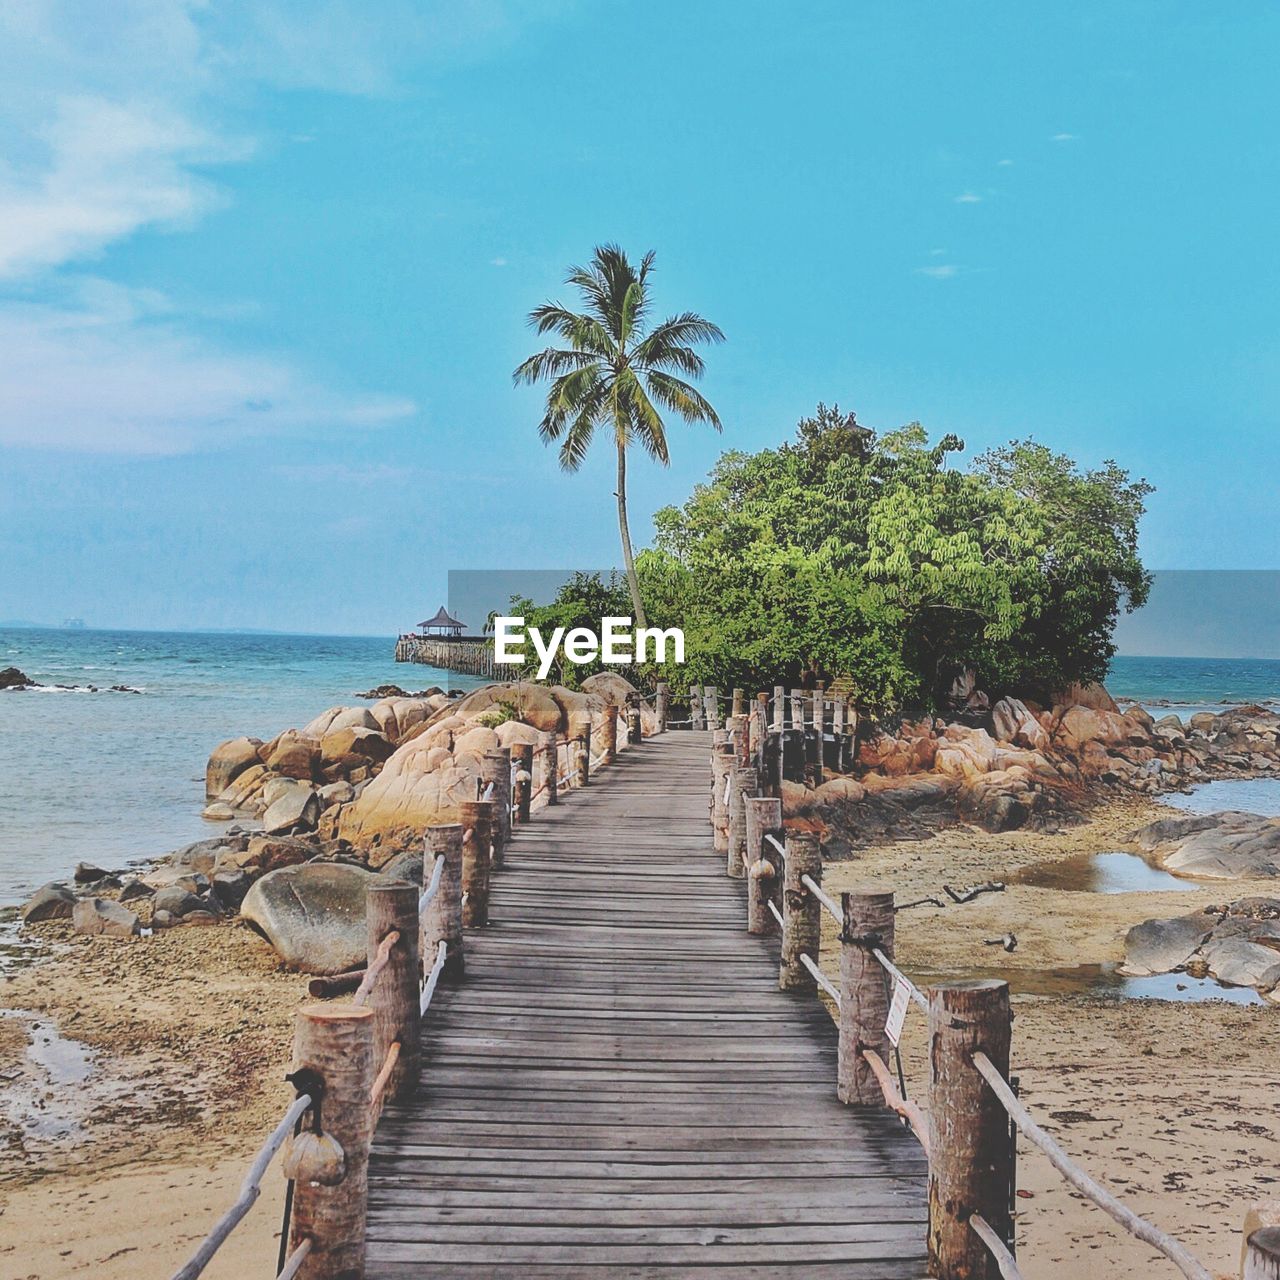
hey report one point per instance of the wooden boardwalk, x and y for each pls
(619, 1089)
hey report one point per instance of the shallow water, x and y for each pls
(1101, 873)
(1250, 795)
(1103, 980)
(115, 777)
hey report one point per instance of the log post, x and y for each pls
(609, 739)
(793, 765)
(522, 756)
(801, 912)
(580, 753)
(442, 920)
(971, 1163)
(711, 706)
(739, 702)
(764, 817)
(550, 752)
(742, 789)
(864, 994)
(1262, 1255)
(737, 729)
(393, 998)
(779, 708)
(495, 767)
(760, 732)
(634, 731)
(837, 732)
(695, 708)
(662, 704)
(721, 767)
(334, 1045)
(477, 835)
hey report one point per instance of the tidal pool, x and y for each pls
(1100, 873)
(1249, 795)
(1103, 980)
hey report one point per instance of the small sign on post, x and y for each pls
(897, 1010)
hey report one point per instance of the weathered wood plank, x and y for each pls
(619, 1089)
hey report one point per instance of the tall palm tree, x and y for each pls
(617, 373)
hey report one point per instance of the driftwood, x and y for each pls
(968, 895)
(920, 902)
(338, 984)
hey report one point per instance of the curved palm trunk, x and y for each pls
(633, 583)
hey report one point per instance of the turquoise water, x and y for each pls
(110, 777)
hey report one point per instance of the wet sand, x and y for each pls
(1175, 1106)
(188, 1033)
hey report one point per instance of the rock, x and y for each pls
(230, 887)
(87, 873)
(475, 742)
(49, 902)
(218, 812)
(1012, 721)
(336, 793)
(314, 915)
(1091, 695)
(293, 755)
(177, 901)
(1159, 946)
(163, 920)
(1242, 963)
(1081, 725)
(796, 797)
(404, 866)
(200, 917)
(1239, 846)
(274, 788)
(12, 678)
(100, 916)
(385, 691)
(840, 790)
(1167, 830)
(270, 853)
(228, 761)
(339, 718)
(135, 890)
(297, 810)
(532, 703)
(366, 743)
(516, 733)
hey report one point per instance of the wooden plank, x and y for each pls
(619, 1089)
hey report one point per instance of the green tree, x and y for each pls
(616, 373)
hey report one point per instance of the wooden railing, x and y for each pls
(350, 1059)
(968, 1127)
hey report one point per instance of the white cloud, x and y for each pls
(936, 253)
(943, 271)
(497, 262)
(968, 197)
(1063, 137)
(1005, 164)
(121, 377)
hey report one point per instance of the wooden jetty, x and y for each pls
(589, 1045)
(619, 1088)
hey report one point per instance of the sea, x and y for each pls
(105, 762)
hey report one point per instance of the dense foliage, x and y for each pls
(874, 559)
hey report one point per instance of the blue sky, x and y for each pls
(264, 268)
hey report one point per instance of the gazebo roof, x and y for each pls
(442, 619)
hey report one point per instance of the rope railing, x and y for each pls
(971, 1212)
(459, 853)
(250, 1190)
(1082, 1182)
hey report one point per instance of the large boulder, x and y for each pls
(293, 755)
(227, 762)
(313, 915)
(415, 790)
(1081, 725)
(49, 902)
(1238, 846)
(396, 716)
(1242, 963)
(359, 741)
(104, 918)
(245, 792)
(1012, 721)
(516, 733)
(1159, 946)
(840, 791)
(297, 810)
(615, 690)
(339, 718)
(531, 703)
(1091, 694)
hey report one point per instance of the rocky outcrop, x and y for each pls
(104, 918)
(49, 902)
(1216, 846)
(12, 678)
(1238, 944)
(228, 762)
(313, 915)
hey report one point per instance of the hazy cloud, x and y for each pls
(1063, 137)
(941, 271)
(968, 197)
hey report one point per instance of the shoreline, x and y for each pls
(1142, 1092)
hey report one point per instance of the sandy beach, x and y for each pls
(1171, 1103)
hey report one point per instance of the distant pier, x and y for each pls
(467, 655)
